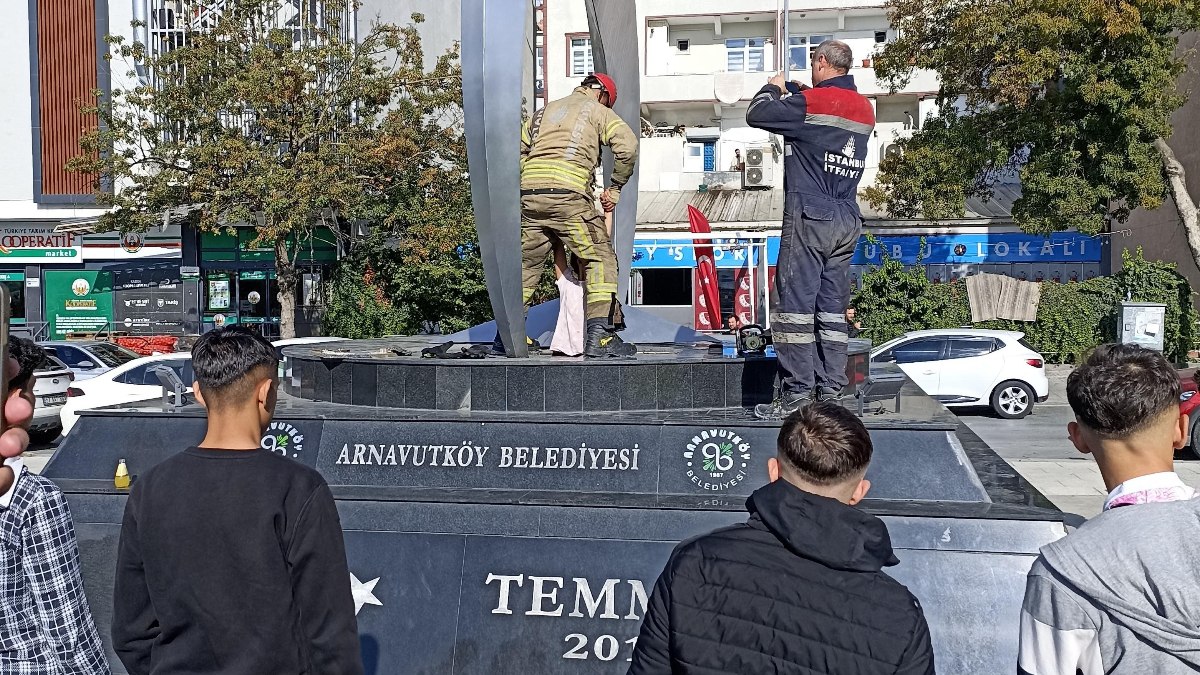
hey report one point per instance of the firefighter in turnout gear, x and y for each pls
(560, 151)
(826, 129)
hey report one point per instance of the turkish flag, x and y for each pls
(708, 295)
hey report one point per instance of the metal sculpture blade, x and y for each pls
(497, 78)
(494, 42)
(614, 30)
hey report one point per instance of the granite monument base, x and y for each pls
(390, 373)
(488, 542)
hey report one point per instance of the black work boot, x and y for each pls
(787, 403)
(498, 346)
(830, 394)
(602, 342)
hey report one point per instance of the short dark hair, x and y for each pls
(227, 356)
(29, 355)
(836, 53)
(824, 444)
(1120, 389)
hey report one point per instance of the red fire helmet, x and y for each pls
(606, 84)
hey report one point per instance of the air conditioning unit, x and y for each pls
(890, 150)
(759, 167)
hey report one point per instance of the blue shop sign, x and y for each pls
(728, 253)
(939, 250)
(981, 248)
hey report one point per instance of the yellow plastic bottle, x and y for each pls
(121, 480)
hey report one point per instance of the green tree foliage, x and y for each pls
(1075, 95)
(893, 299)
(420, 265)
(245, 122)
(1072, 318)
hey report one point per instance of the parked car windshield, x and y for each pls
(112, 355)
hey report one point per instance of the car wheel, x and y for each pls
(1193, 448)
(45, 436)
(1012, 400)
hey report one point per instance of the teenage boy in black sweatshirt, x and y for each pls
(800, 587)
(231, 558)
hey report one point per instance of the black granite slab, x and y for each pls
(365, 385)
(453, 587)
(489, 388)
(669, 378)
(528, 388)
(481, 554)
(343, 382)
(564, 391)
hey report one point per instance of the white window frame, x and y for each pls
(746, 50)
(801, 41)
(581, 56)
(693, 157)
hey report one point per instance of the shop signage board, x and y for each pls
(154, 308)
(949, 249)
(78, 301)
(38, 243)
(155, 243)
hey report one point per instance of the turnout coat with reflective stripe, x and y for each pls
(827, 130)
(560, 145)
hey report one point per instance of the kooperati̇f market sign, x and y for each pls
(38, 243)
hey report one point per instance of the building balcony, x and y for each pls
(729, 88)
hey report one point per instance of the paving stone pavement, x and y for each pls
(1075, 485)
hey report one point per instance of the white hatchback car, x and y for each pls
(134, 381)
(971, 367)
(127, 383)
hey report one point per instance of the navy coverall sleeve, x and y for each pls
(777, 115)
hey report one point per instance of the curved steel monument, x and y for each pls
(497, 84)
(510, 516)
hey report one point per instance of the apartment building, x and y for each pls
(702, 63)
(701, 66)
(170, 280)
(51, 59)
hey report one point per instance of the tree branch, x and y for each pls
(1189, 214)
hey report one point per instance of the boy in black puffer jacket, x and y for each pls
(799, 588)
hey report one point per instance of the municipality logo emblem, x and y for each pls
(131, 242)
(848, 149)
(283, 439)
(80, 287)
(717, 459)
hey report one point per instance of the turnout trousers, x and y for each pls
(812, 285)
(571, 218)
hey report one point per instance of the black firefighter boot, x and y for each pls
(602, 342)
(497, 348)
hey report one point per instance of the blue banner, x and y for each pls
(728, 253)
(941, 249)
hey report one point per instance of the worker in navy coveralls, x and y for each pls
(826, 129)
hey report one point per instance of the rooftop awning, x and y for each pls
(669, 207)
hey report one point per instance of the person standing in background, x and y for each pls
(827, 129)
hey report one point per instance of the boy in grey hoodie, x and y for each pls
(1119, 595)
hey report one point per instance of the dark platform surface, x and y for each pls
(660, 377)
(498, 558)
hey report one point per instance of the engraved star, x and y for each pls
(364, 593)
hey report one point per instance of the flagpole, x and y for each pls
(786, 43)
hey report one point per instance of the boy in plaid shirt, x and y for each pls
(45, 622)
